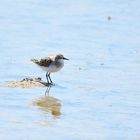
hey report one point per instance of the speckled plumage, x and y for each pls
(50, 64)
(45, 62)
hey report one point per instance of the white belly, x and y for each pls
(52, 68)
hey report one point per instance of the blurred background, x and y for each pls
(97, 92)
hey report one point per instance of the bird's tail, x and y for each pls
(36, 61)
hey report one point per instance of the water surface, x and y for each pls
(98, 89)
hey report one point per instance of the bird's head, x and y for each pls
(60, 57)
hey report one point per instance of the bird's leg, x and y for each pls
(50, 78)
(47, 77)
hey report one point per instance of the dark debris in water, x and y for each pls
(109, 18)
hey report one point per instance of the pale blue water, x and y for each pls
(98, 88)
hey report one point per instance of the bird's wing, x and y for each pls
(45, 62)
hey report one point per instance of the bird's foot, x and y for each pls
(51, 84)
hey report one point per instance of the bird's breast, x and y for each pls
(54, 67)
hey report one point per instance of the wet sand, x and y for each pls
(25, 83)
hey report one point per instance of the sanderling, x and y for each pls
(50, 64)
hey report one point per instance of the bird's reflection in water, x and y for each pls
(49, 104)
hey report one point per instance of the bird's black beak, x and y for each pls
(65, 58)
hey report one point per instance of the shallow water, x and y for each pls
(97, 92)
